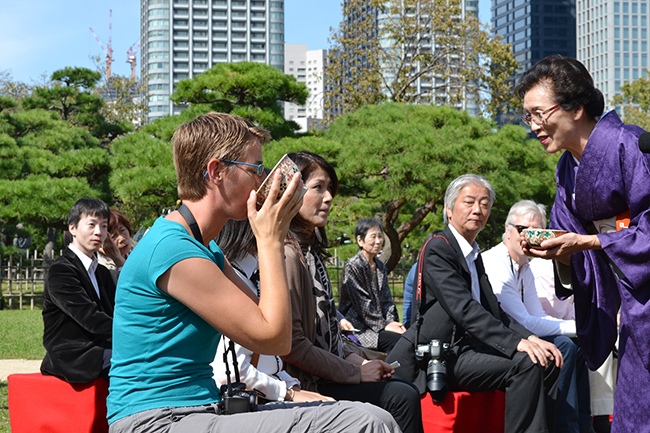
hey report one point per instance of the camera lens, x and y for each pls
(437, 379)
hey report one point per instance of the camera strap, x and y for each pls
(235, 366)
(189, 218)
(420, 294)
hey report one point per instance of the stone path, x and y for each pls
(11, 366)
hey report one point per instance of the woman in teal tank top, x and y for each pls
(177, 295)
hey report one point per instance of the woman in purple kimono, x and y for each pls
(603, 201)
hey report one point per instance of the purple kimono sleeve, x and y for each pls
(594, 285)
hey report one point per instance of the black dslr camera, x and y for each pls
(434, 355)
(235, 398)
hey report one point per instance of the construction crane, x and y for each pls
(130, 57)
(109, 51)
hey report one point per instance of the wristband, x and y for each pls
(293, 393)
(531, 336)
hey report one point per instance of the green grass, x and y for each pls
(5, 427)
(21, 337)
(21, 334)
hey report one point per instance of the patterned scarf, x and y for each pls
(328, 335)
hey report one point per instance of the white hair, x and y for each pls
(456, 185)
(526, 208)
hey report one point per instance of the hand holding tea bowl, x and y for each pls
(556, 244)
(286, 168)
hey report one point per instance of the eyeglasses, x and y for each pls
(261, 170)
(538, 116)
(519, 228)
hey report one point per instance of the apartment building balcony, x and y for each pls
(257, 37)
(181, 67)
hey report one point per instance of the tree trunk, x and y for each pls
(392, 250)
(419, 214)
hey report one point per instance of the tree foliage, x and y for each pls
(635, 99)
(417, 52)
(46, 164)
(395, 162)
(143, 179)
(9, 88)
(71, 94)
(250, 90)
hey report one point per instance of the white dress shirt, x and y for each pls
(89, 264)
(515, 289)
(269, 376)
(545, 285)
(470, 252)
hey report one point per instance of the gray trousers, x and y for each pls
(313, 417)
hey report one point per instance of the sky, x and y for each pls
(42, 36)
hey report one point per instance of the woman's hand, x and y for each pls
(111, 250)
(302, 396)
(346, 325)
(375, 371)
(561, 247)
(395, 327)
(271, 221)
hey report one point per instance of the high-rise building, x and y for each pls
(431, 87)
(295, 64)
(613, 42)
(316, 62)
(536, 28)
(307, 66)
(183, 38)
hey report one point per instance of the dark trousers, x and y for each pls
(399, 397)
(573, 405)
(530, 389)
(386, 340)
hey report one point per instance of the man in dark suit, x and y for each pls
(78, 301)
(489, 349)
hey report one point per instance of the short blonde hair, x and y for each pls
(212, 135)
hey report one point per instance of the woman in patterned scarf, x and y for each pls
(318, 357)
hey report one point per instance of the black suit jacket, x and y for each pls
(448, 309)
(77, 323)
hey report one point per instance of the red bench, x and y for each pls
(39, 403)
(462, 412)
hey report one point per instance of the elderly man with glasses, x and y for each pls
(514, 285)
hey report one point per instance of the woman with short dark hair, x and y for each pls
(603, 201)
(366, 300)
